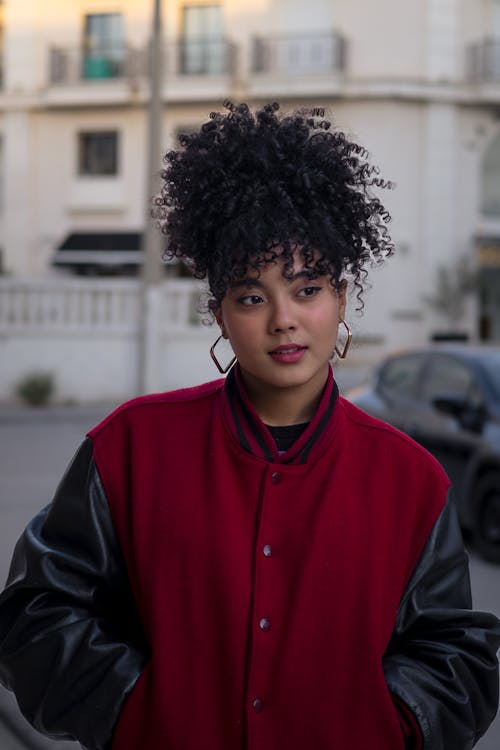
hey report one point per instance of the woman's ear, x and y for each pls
(217, 313)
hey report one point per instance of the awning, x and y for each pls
(99, 249)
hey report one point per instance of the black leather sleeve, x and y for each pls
(71, 648)
(441, 661)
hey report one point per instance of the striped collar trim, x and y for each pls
(253, 435)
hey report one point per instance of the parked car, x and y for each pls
(447, 397)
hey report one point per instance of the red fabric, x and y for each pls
(193, 511)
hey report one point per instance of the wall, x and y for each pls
(87, 333)
(385, 39)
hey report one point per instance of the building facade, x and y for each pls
(417, 83)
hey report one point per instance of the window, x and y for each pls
(491, 365)
(103, 45)
(203, 49)
(446, 376)
(98, 153)
(490, 203)
(399, 377)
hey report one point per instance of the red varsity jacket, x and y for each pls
(191, 588)
(268, 591)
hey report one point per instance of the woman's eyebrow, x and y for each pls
(307, 273)
(250, 281)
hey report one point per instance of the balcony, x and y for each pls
(205, 56)
(69, 67)
(200, 69)
(483, 61)
(298, 64)
(186, 57)
(299, 55)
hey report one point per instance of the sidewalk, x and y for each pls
(345, 375)
(55, 413)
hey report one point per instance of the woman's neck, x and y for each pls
(278, 406)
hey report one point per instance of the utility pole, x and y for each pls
(153, 242)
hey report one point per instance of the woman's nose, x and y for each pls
(282, 319)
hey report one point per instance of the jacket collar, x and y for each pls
(254, 437)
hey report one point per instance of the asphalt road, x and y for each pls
(35, 448)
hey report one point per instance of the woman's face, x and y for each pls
(282, 330)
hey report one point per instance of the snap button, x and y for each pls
(258, 705)
(267, 550)
(265, 624)
(275, 477)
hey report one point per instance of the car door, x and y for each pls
(450, 438)
(397, 388)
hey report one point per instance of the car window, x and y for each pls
(399, 376)
(445, 376)
(491, 366)
(475, 397)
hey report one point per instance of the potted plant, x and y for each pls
(36, 388)
(453, 285)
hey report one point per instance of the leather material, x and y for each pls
(440, 661)
(68, 617)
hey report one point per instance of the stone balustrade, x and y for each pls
(88, 333)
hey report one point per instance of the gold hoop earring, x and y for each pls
(342, 353)
(221, 369)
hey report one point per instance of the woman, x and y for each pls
(254, 563)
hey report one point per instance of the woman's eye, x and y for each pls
(309, 291)
(250, 299)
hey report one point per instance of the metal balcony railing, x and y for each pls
(204, 56)
(299, 54)
(483, 61)
(70, 66)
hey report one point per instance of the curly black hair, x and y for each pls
(250, 187)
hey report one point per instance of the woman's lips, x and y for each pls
(288, 354)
